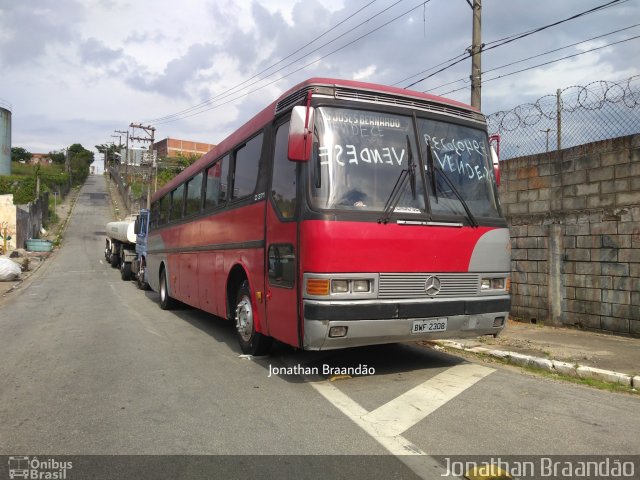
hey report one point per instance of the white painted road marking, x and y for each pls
(386, 423)
(404, 412)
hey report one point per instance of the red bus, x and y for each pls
(343, 214)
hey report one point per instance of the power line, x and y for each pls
(536, 56)
(202, 110)
(547, 63)
(236, 88)
(518, 36)
(194, 107)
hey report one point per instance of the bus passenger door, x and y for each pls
(282, 245)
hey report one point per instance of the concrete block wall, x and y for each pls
(574, 219)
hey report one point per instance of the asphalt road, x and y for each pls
(90, 365)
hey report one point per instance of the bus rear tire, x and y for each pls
(251, 341)
(166, 302)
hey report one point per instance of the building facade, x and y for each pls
(173, 147)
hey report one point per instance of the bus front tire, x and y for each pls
(251, 341)
(166, 302)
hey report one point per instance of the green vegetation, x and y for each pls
(137, 177)
(22, 182)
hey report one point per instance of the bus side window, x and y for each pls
(245, 174)
(154, 213)
(283, 186)
(216, 183)
(177, 203)
(194, 195)
(163, 211)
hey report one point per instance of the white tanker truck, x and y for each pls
(120, 247)
(126, 247)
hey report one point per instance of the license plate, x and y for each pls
(427, 326)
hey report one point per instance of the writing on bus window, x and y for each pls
(350, 154)
(362, 125)
(449, 154)
(363, 119)
(457, 146)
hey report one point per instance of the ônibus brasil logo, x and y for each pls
(37, 469)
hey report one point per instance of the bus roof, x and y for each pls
(269, 112)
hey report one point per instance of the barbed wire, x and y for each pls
(597, 111)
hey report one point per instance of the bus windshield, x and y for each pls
(359, 156)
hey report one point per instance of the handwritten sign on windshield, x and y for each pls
(466, 157)
(343, 155)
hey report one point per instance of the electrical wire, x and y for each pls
(519, 36)
(172, 118)
(269, 67)
(535, 56)
(546, 63)
(236, 88)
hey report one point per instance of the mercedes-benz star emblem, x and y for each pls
(432, 285)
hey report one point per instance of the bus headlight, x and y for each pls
(361, 286)
(491, 284)
(340, 286)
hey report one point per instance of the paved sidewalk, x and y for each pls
(579, 353)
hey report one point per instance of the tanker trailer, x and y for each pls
(120, 246)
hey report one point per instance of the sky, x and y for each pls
(74, 71)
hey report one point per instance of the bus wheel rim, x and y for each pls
(244, 319)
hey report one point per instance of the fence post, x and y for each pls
(559, 115)
(555, 288)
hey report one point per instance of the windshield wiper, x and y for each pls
(433, 167)
(432, 170)
(396, 194)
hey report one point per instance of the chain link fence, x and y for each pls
(574, 116)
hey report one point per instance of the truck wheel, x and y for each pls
(115, 260)
(125, 270)
(251, 342)
(166, 302)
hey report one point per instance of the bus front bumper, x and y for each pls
(369, 323)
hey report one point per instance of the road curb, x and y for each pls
(553, 366)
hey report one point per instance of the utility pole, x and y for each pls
(476, 53)
(150, 131)
(126, 161)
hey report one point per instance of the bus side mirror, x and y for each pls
(300, 133)
(496, 165)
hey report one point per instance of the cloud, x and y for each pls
(178, 74)
(94, 52)
(118, 61)
(30, 27)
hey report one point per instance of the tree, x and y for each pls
(110, 151)
(20, 154)
(57, 157)
(79, 159)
